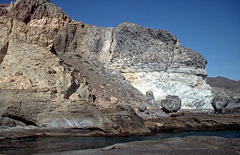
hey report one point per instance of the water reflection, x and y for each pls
(58, 144)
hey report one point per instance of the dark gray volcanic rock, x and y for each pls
(194, 121)
(220, 103)
(171, 104)
(152, 49)
(56, 72)
(226, 97)
(150, 97)
(225, 101)
(135, 51)
(176, 146)
(130, 46)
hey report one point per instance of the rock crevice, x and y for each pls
(3, 52)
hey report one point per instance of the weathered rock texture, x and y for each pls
(39, 89)
(225, 92)
(171, 104)
(155, 60)
(55, 72)
(32, 110)
(197, 145)
(192, 121)
(225, 101)
(150, 59)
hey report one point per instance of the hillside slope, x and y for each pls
(225, 83)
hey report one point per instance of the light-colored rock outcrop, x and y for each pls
(40, 110)
(155, 60)
(39, 90)
(150, 59)
(192, 89)
(28, 66)
(59, 73)
(75, 45)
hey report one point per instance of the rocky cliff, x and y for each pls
(152, 60)
(59, 73)
(39, 89)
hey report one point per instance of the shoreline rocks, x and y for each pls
(41, 112)
(59, 73)
(197, 145)
(225, 101)
(190, 121)
(176, 122)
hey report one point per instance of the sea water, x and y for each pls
(59, 144)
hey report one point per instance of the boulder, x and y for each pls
(40, 90)
(150, 97)
(64, 62)
(171, 104)
(148, 58)
(220, 103)
(225, 101)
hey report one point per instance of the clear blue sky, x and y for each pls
(210, 27)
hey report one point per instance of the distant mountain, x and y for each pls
(225, 83)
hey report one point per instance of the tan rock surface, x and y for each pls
(55, 72)
(41, 111)
(39, 91)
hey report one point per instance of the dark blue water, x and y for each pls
(58, 144)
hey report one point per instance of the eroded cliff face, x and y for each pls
(155, 60)
(59, 73)
(39, 89)
(152, 60)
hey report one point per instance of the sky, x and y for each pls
(210, 27)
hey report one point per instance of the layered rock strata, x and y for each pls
(68, 69)
(191, 121)
(152, 60)
(40, 90)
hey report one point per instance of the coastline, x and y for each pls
(176, 122)
(190, 121)
(187, 145)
